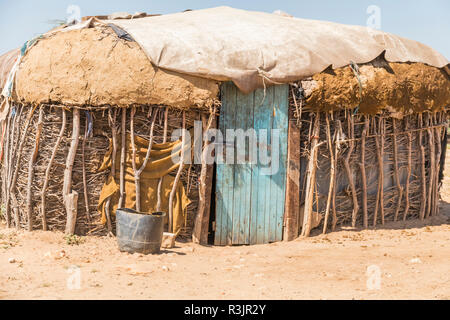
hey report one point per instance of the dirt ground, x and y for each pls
(403, 260)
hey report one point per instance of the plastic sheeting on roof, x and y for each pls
(246, 47)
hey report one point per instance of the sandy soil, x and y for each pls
(412, 260)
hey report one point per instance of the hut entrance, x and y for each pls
(251, 175)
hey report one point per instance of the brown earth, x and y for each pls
(384, 85)
(411, 257)
(94, 67)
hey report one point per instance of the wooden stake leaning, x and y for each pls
(332, 173)
(31, 165)
(49, 168)
(177, 178)
(71, 196)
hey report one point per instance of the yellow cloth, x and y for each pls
(159, 166)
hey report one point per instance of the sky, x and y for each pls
(424, 21)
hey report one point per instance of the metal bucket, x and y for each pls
(139, 233)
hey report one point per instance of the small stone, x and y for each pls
(165, 268)
(12, 260)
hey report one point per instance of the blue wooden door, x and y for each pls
(250, 195)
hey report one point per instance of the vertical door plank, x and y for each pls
(243, 178)
(281, 120)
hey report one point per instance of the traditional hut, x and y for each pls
(348, 123)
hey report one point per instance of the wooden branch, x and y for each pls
(177, 178)
(438, 165)
(112, 124)
(332, 173)
(396, 171)
(71, 197)
(349, 172)
(201, 226)
(292, 200)
(31, 164)
(49, 168)
(85, 189)
(362, 166)
(16, 169)
(338, 134)
(408, 177)
(123, 158)
(379, 141)
(159, 200)
(430, 200)
(423, 203)
(5, 168)
(138, 172)
(311, 179)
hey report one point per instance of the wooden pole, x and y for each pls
(85, 189)
(70, 196)
(408, 177)
(49, 168)
(379, 141)
(396, 170)
(201, 226)
(123, 158)
(430, 199)
(292, 200)
(332, 174)
(178, 176)
(138, 172)
(423, 203)
(348, 169)
(438, 165)
(159, 201)
(338, 133)
(5, 180)
(363, 171)
(112, 124)
(31, 164)
(311, 179)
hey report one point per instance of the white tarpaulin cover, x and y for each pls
(246, 47)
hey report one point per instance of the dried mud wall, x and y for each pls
(405, 87)
(94, 67)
